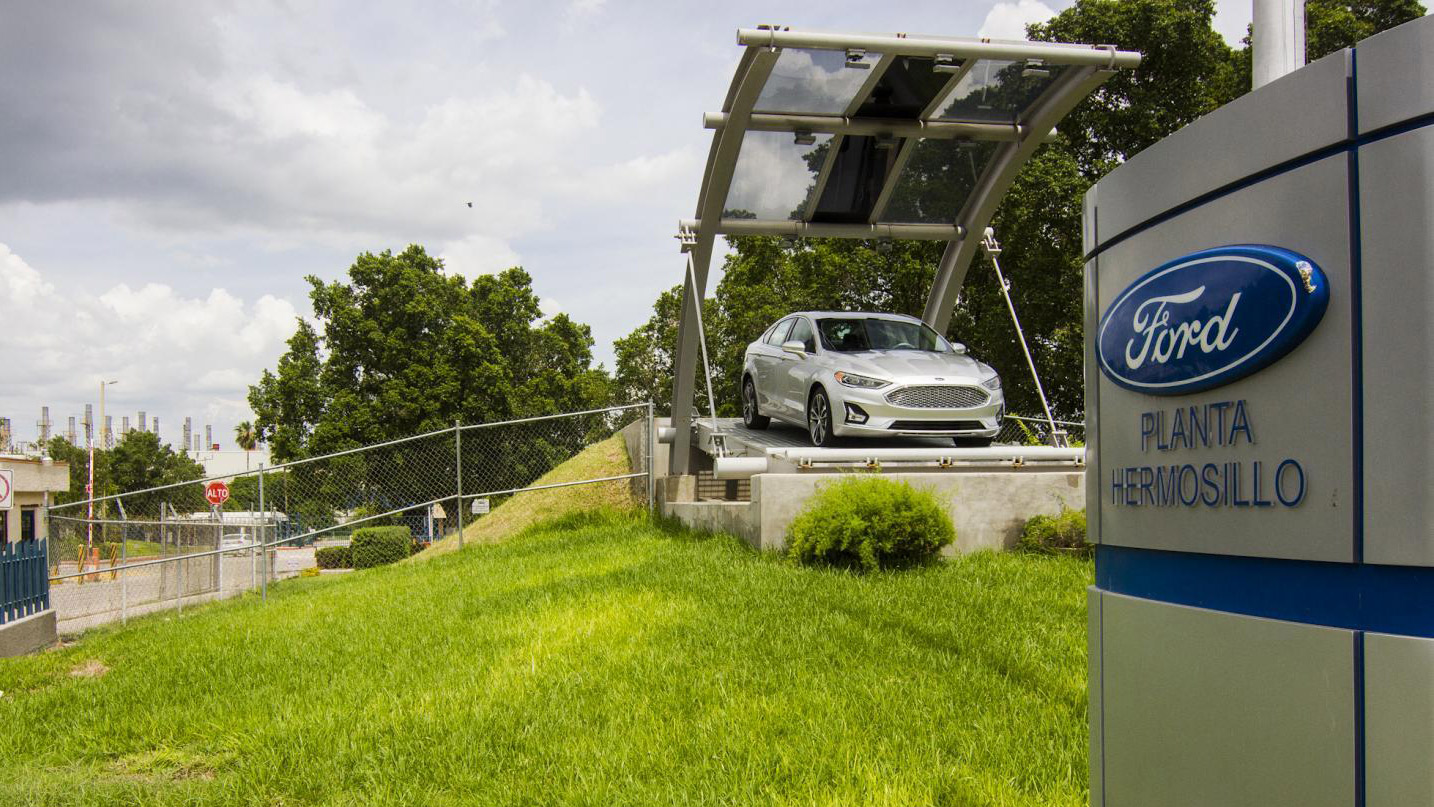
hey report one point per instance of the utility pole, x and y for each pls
(1278, 40)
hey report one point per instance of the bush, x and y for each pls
(375, 546)
(333, 557)
(1062, 533)
(871, 523)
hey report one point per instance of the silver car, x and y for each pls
(841, 374)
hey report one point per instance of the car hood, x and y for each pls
(904, 364)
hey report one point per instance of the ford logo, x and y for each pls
(1210, 318)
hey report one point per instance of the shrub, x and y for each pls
(333, 557)
(871, 523)
(1048, 534)
(311, 571)
(375, 546)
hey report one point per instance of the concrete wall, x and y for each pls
(27, 635)
(988, 509)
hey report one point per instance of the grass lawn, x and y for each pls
(598, 661)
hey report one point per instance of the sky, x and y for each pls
(172, 172)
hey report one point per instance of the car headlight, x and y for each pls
(860, 381)
(993, 383)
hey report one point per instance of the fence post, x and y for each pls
(458, 451)
(124, 575)
(263, 539)
(648, 438)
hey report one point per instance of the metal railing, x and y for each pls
(166, 546)
(1018, 430)
(23, 588)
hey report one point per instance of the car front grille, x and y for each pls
(948, 396)
(936, 426)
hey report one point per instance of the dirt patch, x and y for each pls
(93, 668)
(166, 764)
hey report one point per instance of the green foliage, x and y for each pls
(403, 347)
(138, 462)
(333, 557)
(871, 523)
(376, 546)
(1053, 533)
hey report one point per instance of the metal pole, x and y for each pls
(263, 536)
(458, 452)
(124, 576)
(648, 437)
(992, 250)
(1278, 30)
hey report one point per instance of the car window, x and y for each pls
(852, 334)
(778, 335)
(802, 332)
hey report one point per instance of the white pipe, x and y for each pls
(806, 229)
(835, 124)
(1051, 53)
(666, 434)
(991, 454)
(738, 467)
(1279, 40)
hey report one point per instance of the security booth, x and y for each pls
(1261, 446)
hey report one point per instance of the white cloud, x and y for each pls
(550, 307)
(478, 255)
(196, 354)
(1008, 20)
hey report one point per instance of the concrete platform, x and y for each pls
(28, 634)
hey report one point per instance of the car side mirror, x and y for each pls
(959, 348)
(795, 347)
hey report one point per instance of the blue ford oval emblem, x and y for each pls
(1209, 318)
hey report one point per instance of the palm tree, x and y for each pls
(248, 439)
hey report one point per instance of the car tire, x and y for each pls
(819, 419)
(972, 442)
(751, 418)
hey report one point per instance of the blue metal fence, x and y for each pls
(24, 581)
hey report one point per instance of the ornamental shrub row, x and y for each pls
(333, 557)
(870, 523)
(375, 546)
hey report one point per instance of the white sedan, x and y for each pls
(840, 374)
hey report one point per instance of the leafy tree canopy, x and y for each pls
(402, 347)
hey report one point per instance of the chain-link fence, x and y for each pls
(165, 547)
(1026, 431)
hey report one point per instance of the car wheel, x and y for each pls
(751, 418)
(819, 419)
(972, 442)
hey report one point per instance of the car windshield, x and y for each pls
(854, 334)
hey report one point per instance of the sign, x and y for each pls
(438, 511)
(1210, 318)
(217, 493)
(480, 507)
(7, 489)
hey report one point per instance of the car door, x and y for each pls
(767, 359)
(796, 371)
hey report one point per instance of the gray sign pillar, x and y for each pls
(1262, 625)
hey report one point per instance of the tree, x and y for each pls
(402, 347)
(247, 438)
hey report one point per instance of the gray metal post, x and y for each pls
(263, 539)
(458, 452)
(649, 438)
(124, 576)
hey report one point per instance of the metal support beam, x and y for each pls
(722, 161)
(896, 127)
(1048, 52)
(1067, 91)
(1278, 28)
(806, 229)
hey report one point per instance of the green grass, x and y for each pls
(598, 661)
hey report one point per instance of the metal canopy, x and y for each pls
(873, 136)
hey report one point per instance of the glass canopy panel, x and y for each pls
(996, 91)
(774, 176)
(857, 176)
(938, 177)
(813, 82)
(905, 89)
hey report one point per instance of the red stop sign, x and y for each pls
(217, 493)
